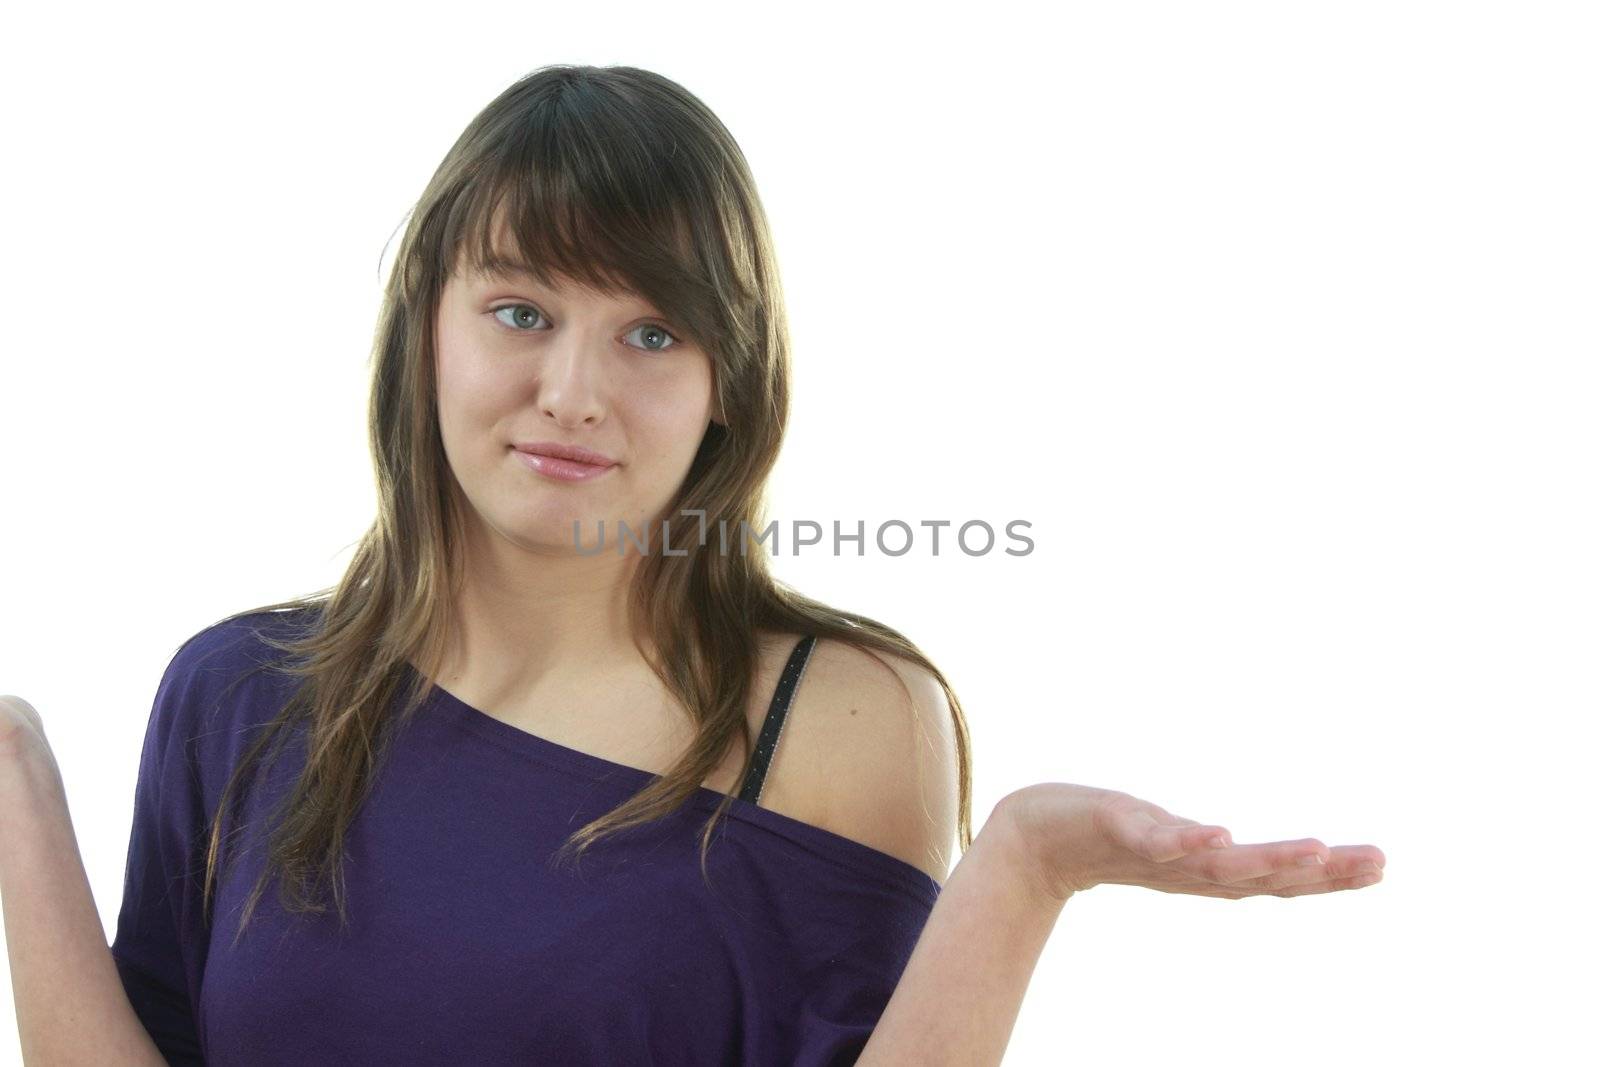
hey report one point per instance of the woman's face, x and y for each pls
(521, 363)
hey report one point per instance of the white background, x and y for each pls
(1277, 322)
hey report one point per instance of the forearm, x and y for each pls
(71, 1006)
(959, 995)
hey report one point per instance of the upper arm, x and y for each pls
(157, 929)
(887, 766)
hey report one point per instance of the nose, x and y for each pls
(572, 384)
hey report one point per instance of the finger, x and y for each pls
(1143, 834)
(1164, 841)
(1344, 864)
(1242, 890)
(1197, 835)
(1169, 842)
(1242, 863)
(1201, 837)
(1330, 885)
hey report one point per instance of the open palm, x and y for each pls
(1083, 836)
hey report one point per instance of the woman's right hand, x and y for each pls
(21, 729)
(71, 1004)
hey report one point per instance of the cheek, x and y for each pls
(462, 371)
(674, 418)
(467, 389)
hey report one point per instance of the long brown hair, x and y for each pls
(621, 179)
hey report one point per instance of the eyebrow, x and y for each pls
(506, 269)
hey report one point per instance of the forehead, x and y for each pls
(508, 269)
(504, 262)
(554, 261)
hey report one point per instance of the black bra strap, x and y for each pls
(772, 728)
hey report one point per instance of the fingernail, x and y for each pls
(1218, 842)
(1315, 857)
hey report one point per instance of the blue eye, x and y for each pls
(523, 315)
(518, 307)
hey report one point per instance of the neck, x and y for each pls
(526, 617)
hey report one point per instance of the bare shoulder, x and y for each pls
(873, 747)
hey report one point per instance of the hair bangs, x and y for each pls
(598, 210)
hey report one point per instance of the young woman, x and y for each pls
(582, 781)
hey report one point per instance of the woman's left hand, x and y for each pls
(1083, 836)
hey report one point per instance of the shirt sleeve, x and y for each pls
(850, 985)
(160, 944)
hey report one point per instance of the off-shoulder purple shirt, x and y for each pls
(465, 946)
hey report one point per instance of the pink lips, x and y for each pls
(566, 463)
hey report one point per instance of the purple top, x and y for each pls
(464, 946)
